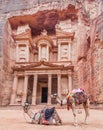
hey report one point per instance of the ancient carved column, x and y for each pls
(25, 89)
(39, 54)
(47, 53)
(14, 89)
(49, 88)
(17, 52)
(59, 52)
(34, 90)
(27, 54)
(69, 56)
(59, 85)
(70, 81)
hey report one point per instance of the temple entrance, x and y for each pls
(42, 88)
(44, 95)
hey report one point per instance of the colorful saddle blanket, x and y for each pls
(80, 97)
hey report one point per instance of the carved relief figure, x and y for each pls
(64, 52)
(22, 54)
(43, 53)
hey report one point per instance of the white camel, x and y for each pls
(76, 97)
(45, 116)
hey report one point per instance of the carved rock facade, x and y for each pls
(50, 48)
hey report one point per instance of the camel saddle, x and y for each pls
(77, 98)
(80, 97)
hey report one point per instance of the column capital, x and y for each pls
(16, 74)
(59, 74)
(70, 72)
(49, 75)
(35, 74)
(26, 75)
(69, 41)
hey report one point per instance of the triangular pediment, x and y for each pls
(61, 34)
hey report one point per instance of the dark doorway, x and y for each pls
(44, 95)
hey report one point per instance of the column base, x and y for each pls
(48, 103)
(33, 104)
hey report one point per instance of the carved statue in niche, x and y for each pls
(44, 32)
(64, 52)
(22, 54)
(43, 53)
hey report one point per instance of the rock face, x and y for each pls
(82, 17)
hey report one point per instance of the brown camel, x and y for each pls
(73, 99)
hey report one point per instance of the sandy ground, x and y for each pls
(15, 120)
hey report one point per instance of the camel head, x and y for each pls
(26, 106)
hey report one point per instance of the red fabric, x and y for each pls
(45, 122)
(68, 103)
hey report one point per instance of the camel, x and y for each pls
(46, 116)
(76, 97)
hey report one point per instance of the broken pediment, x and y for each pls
(65, 26)
(64, 29)
(22, 29)
(62, 34)
(23, 32)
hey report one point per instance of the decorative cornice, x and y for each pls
(36, 66)
(65, 35)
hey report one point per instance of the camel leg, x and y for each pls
(74, 114)
(57, 118)
(86, 108)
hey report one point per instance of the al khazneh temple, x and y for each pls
(50, 46)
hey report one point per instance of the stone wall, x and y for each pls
(94, 64)
(98, 59)
(6, 72)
